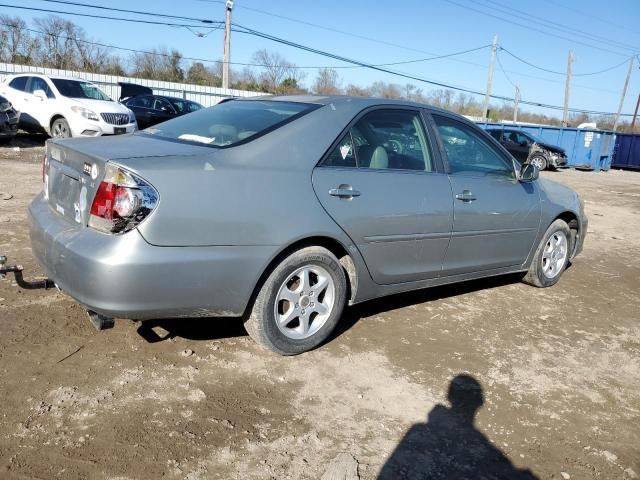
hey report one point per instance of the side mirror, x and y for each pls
(528, 173)
(40, 94)
(524, 143)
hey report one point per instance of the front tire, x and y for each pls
(551, 257)
(539, 161)
(300, 303)
(60, 128)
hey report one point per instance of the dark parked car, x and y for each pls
(527, 148)
(151, 109)
(283, 210)
(8, 120)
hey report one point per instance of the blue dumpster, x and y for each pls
(627, 151)
(592, 149)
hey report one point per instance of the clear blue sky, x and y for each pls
(420, 29)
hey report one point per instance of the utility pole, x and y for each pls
(227, 44)
(515, 104)
(492, 66)
(567, 91)
(635, 114)
(624, 92)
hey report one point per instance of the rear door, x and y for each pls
(142, 108)
(382, 184)
(496, 217)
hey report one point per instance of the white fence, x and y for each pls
(204, 95)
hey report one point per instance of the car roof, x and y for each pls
(51, 77)
(340, 99)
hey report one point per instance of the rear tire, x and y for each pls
(60, 128)
(300, 303)
(551, 257)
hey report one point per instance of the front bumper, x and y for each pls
(123, 276)
(81, 127)
(582, 233)
(8, 124)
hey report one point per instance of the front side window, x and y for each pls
(392, 139)
(38, 83)
(185, 106)
(231, 122)
(162, 105)
(79, 89)
(468, 153)
(19, 83)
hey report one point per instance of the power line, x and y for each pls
(584, 14)
(504, 72)
(530, 27)
(246, 30)
(243, 64)
(138, 12)
(562, 73)
(567, 29)
(104, 17)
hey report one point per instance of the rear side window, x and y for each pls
(143, 101)
(231, 122)
(19, 83)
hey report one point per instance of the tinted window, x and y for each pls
(143, 101)
(343, 155)
(391, 139)
(78, 89)
(468, 153)
(163, 105)
(19, 83)
(230, 122)
(495, 134)
(38, 83)
(185, 106)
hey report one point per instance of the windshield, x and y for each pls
(79, 89)
(230, 122)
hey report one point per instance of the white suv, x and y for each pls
(65, 107)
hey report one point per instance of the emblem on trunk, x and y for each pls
(86, 168)
(91, 170)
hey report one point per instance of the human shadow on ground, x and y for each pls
(215, 328)
(448, 446)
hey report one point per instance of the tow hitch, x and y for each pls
(17, 271)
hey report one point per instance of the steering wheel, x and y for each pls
(395, 146)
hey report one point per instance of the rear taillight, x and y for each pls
(122, 201)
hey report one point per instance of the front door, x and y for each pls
(496, 218)
(381, 185)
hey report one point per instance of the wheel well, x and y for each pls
(330, 244)
(53, 119)
(570, 219)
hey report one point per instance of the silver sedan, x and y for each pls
(283, 210)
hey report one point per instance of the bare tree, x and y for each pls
(199, 74)
(356, 91)
(16, 44)
(158, 64)
(275, 70)
(327, 82)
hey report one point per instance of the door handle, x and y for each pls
(465, 196)
(344, 191)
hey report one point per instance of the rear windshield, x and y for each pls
(76, 89)
(230, 122)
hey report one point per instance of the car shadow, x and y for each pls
(214, 328)
(449, 446)
(401, 300)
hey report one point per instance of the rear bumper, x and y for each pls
(126, 277)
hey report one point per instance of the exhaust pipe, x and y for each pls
(100, 322)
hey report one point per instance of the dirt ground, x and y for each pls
(545, 383)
